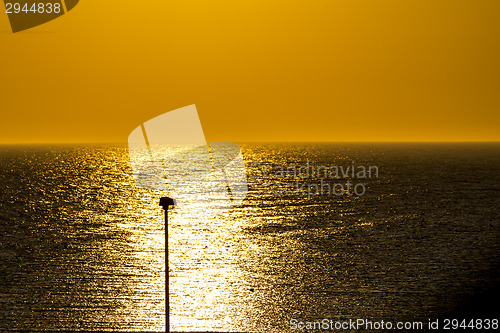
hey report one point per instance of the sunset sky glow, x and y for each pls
(323, 70)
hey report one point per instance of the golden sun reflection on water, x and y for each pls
(204, 274)
(207, 286)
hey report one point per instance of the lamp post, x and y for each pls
(166, 202)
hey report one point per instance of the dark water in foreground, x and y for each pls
(82, 248)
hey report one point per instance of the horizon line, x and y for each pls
(270, 141)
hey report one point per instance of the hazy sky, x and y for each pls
(257, 70)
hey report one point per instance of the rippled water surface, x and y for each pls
(81, 247)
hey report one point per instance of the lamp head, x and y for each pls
(166, 202)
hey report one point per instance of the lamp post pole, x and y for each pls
(166, 202)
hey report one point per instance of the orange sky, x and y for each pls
(259, 70)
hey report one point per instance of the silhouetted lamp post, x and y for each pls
(166, 202)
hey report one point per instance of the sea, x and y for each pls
(82, 247)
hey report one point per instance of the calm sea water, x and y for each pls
(81, 247)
